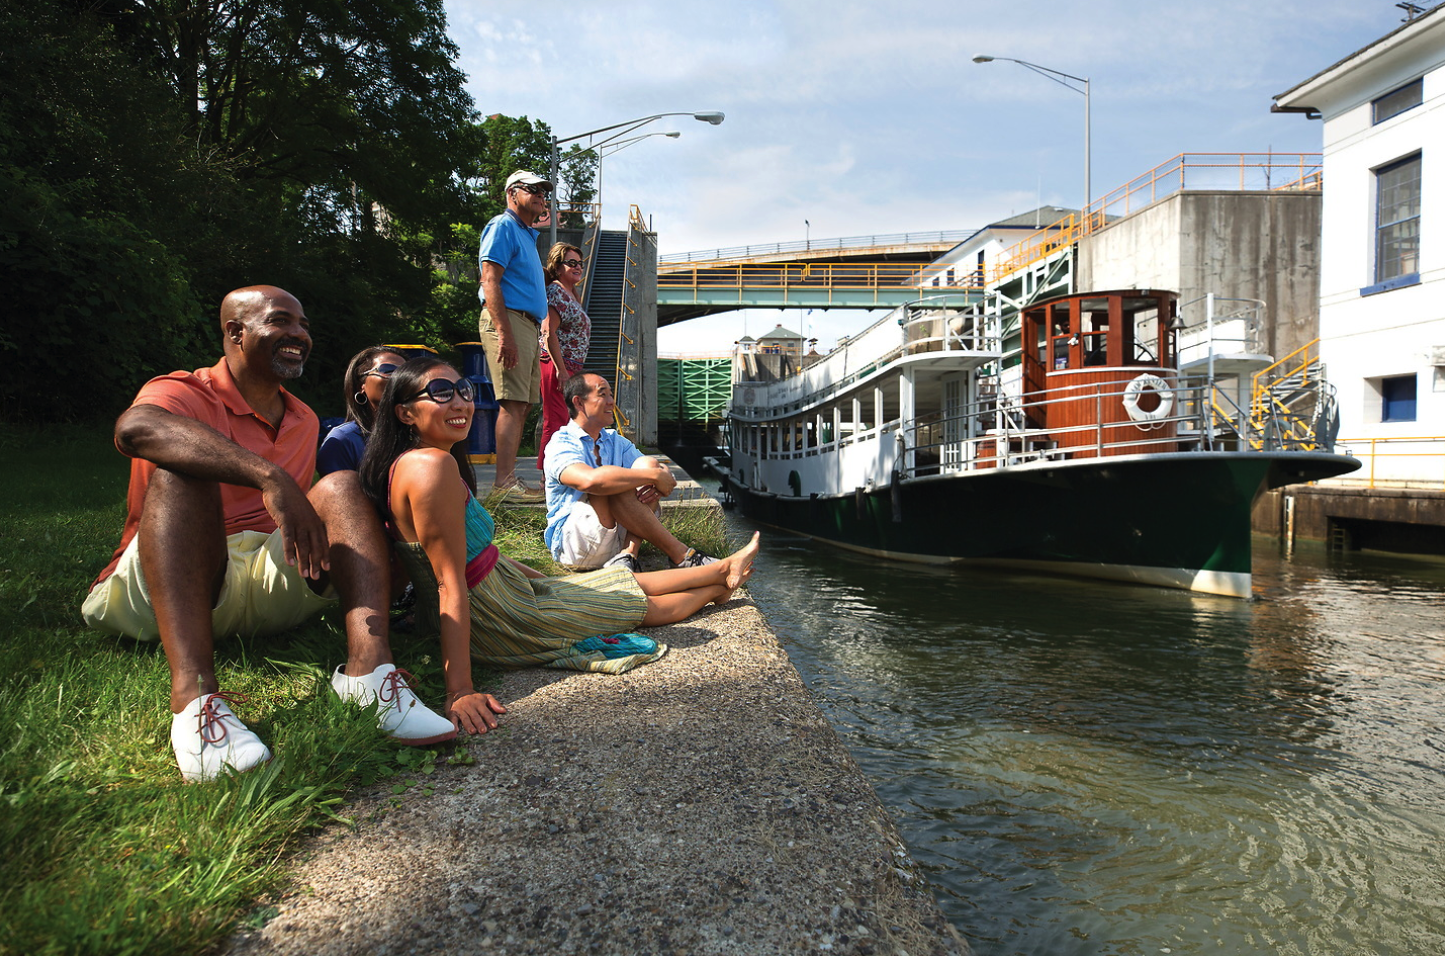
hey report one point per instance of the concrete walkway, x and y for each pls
(697, 805)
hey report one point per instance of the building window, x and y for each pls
(1397, 399)
(1398, 101)
(1397, 219)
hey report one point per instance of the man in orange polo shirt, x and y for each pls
(225, 534)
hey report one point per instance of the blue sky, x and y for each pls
(866, 117)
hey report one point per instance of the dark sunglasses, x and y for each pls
(441, 391)
(535, 190)
(384, 370)
(572, 263)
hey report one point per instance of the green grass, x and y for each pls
(104, 848)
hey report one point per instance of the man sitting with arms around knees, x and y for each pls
(222, 536)
(602, 493)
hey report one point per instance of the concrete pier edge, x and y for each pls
(700, 804)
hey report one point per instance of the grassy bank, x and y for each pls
(105, 850)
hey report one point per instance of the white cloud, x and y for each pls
(865, 117)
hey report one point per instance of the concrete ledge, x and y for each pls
(698, 805)
(1317, 505)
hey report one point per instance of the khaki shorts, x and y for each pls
(585, 542)
(261, 594)
(523, 381)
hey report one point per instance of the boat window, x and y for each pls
(867, 420)
(1061, 350)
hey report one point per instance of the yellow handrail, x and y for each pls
(1269, 368)
(1375, 454)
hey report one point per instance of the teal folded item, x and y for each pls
(618, 645)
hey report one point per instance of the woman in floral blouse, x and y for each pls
(566, 334)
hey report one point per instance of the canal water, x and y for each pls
(1090, 768)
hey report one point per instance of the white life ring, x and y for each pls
(1135, 390)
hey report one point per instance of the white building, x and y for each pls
(1382, 266)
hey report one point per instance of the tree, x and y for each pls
(155, 154)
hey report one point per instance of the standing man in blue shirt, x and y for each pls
(514, 303)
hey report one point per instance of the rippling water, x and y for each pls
(1095, 768)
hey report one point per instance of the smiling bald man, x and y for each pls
(226, 535)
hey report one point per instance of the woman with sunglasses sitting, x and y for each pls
(566, 335)
(365, 379)
(483, 603)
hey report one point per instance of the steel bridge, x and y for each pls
(700, 289)
(852, 272)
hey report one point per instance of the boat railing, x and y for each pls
(1005, 432)
(929, 326)
(874, 349)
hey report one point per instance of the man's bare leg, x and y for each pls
(640, 520)
(361, 574)
(511, 419)
(360, 569)
(182, 542)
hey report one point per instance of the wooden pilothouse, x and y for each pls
(1101, 370)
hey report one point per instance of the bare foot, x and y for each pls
(728, 593)
(740, 563)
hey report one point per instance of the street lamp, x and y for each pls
(713, 117)
(1058, 77)
(619, 146)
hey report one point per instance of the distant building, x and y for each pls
(781, 341)
(770, 357)
(1382, 275)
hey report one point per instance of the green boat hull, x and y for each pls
(1175, 520)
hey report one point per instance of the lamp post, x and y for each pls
(713, 117)
(1058, 76)
(619, 146)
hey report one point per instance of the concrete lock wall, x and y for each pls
(1248, 245)
(645, 251)
(1381, 519)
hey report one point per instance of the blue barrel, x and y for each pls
(410, 351)
(482, 440)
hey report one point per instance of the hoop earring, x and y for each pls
(359, 398)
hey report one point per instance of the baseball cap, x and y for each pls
(524, 177)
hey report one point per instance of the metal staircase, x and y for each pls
(603, 301)
(1293, 407)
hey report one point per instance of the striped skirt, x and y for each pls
(519, 621)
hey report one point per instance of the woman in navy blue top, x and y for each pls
(366, 376)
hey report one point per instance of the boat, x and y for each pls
(1082, 449)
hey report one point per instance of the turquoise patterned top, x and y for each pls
(480, 527)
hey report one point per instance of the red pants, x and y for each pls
(554, 407)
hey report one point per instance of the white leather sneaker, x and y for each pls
(208, 739)
(400, 714)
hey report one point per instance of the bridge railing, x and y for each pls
(950, 237)
(793, 275)
(1239, 172)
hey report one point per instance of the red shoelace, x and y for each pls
(392, 685)
(211, 721)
